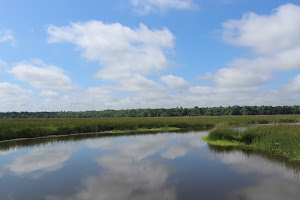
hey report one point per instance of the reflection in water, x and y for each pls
(278, 176)
(149, 166)
(41, 160)
(268, 188)
(8, 151)
(247, 160)
(123, 179)
(128, 174)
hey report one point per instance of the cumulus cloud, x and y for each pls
(273, 37)
(13, 97)
(6, 35)
(266, 33)
(131, 60)
(101, 94)
(147, 6)
(294, 84)
(48, 93)
(126, 56)
(232, 77)
(244, 72)
(283, 61)
(138, 83)
(225, 96)
(10, 90)
(120, 50)
(40, 75)
(174, 82)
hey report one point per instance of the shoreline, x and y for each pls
(12, 130)
(279, 139)
(169, 129)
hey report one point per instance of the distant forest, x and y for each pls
(161, 112)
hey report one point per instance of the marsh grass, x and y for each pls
(222, 142)
(32, 128)
(282, 139)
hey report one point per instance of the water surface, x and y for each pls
(149, 166)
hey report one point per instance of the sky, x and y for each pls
(123, 54)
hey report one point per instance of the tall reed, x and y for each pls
(283, 139)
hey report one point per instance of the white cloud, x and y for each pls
(8, 89)
(48, 93)
(294, 84)
(42, 76)
(13, 97)
(138, 83)
(6, 35)
(274, 37)
(225, 96)
(147, 6)
(100, 93)
(266, 33)
(174, 82)
(254, 72)
(128, 57)
(231, 77)
(283, 61)
(120, 50)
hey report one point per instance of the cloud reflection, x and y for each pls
(41, 160)
(268, 188)
(128, 172)
(243, 163)
(272, 179)
(171, 146)
(123, 179)
(6, 152)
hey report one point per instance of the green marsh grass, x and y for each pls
(32, 128)
(282, 139)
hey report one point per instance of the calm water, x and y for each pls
(151, 166)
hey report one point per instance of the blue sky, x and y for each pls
(95, 55)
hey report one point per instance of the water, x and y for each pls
(150, 166)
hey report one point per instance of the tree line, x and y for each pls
(161, 112)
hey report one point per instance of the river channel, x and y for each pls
(142, 166)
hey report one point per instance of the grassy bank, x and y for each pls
(283, 139)
(31, 128)
(162, 129)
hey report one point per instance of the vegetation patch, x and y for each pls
(32, 128)
(223, 143)
(161, 112)
(282, 139)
